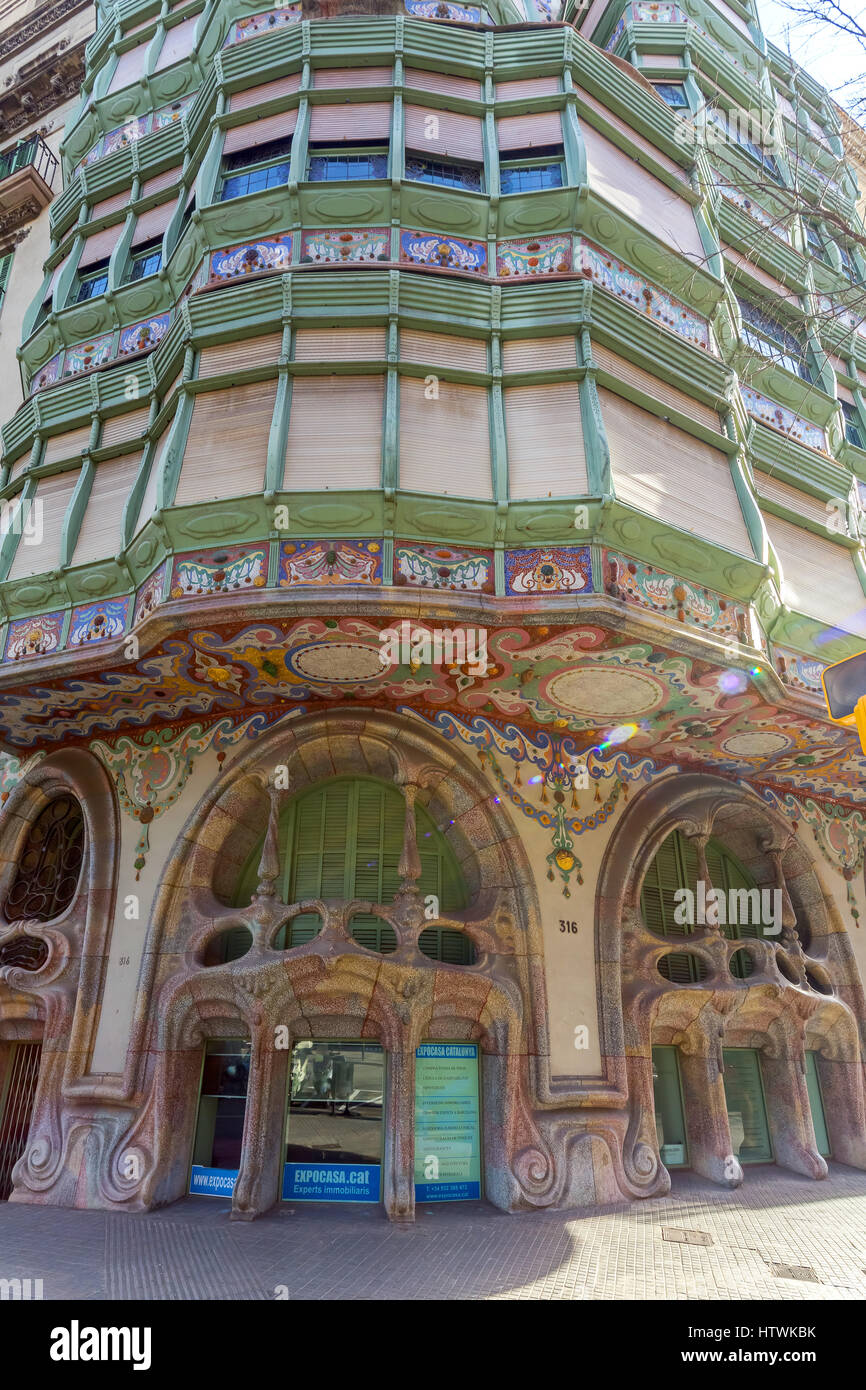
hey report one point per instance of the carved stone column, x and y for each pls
(789, 1114)
(706, 1113)
(842, 1093)
(259, 1180)
(398, 1167)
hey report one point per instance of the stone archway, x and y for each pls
(792, 986)
(399, 998)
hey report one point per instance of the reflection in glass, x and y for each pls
(747, 1116)
(335, 1103)
(220, 1127)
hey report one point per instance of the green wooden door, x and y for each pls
(344, 840)
(747, 1113)
(816, 1103)
(670, 1120)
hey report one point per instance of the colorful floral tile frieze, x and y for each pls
(264, 23)
(149, 595)
(651, 588)
(346, 246)
(438, 9)
(223, 570)
(443, 567)
(47, 375)
(779, 417)
(142, 336)
(135, 129)
(732, 194)
(799, 672)
(271, 253)
(96, 622)
(330, 562)
(449, 252)
(33, 636)
(85, 356)
(558, 569)
(621, 280)
(546, 255)
(645, 12)
(168, 115)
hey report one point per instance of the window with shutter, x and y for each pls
(344, 840)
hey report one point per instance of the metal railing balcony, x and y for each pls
(32, 152)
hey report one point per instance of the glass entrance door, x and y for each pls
(816, 1103)
(219, 1130)
(670, 1121)
(333, 1136)
(747, 1114)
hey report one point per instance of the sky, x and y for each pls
(830, 57)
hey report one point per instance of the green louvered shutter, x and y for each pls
(5, 272)
(816, 1105)
(676, 866)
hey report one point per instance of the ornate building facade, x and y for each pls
(437, 494)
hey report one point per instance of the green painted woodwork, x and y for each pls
(816, 1105)
(675, 866)
(670, 1118)
(747, 1112)
(344, 839)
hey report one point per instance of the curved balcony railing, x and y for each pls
(30, 153)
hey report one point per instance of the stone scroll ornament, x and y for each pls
(839, 834)
(151, 772)
(556, 769)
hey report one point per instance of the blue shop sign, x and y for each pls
(213, 1182)
(331, 1182)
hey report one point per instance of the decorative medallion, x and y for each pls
(605, 692)
(95, 622)
(337, 663)
(562, 569)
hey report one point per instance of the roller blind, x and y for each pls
(116, 203)
(442, 350)
(340, 344)
(450, 133)
(66, 446)
(445, 442)
(655, 387)
(178, 43)
(100, 246)
(265, 91)
(538, 354)
(166, 179)
(234, 357)
(844, 394)
(526, 87)
(345, 452)
(227, 448)
(446, 83)
(122, 427)
(819, 578)
(149, 500)
(668, 474)
(639, 194)
(54, 495)
(353, 121)
(152, 224)
(246, 137)
(55, 274)
(545, 441)
(522, 132)
(801, 503)
(129, 68)
(100, 534)
(353, 77)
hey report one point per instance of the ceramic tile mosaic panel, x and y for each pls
(747, 205)
(264, 23)
(272, 253)
(443, 567)
(46, 375)
(330, 562)
(167, 115)
(652, 588)
(84, 356)
(149, 595)
(546, 255)
(126, 134)
(626, 284)
(438, 9)
(779, 417)
(565, 569)
(449, 252)
(140, 337)
(33, 636)
(346, 246)
(96, 622)
(222, 570)
(799, 672)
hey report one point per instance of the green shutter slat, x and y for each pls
(5, 271)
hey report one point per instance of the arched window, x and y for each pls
(344, 840)
(50, 866)
(676, 866)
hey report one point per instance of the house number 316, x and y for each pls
(568, 926)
